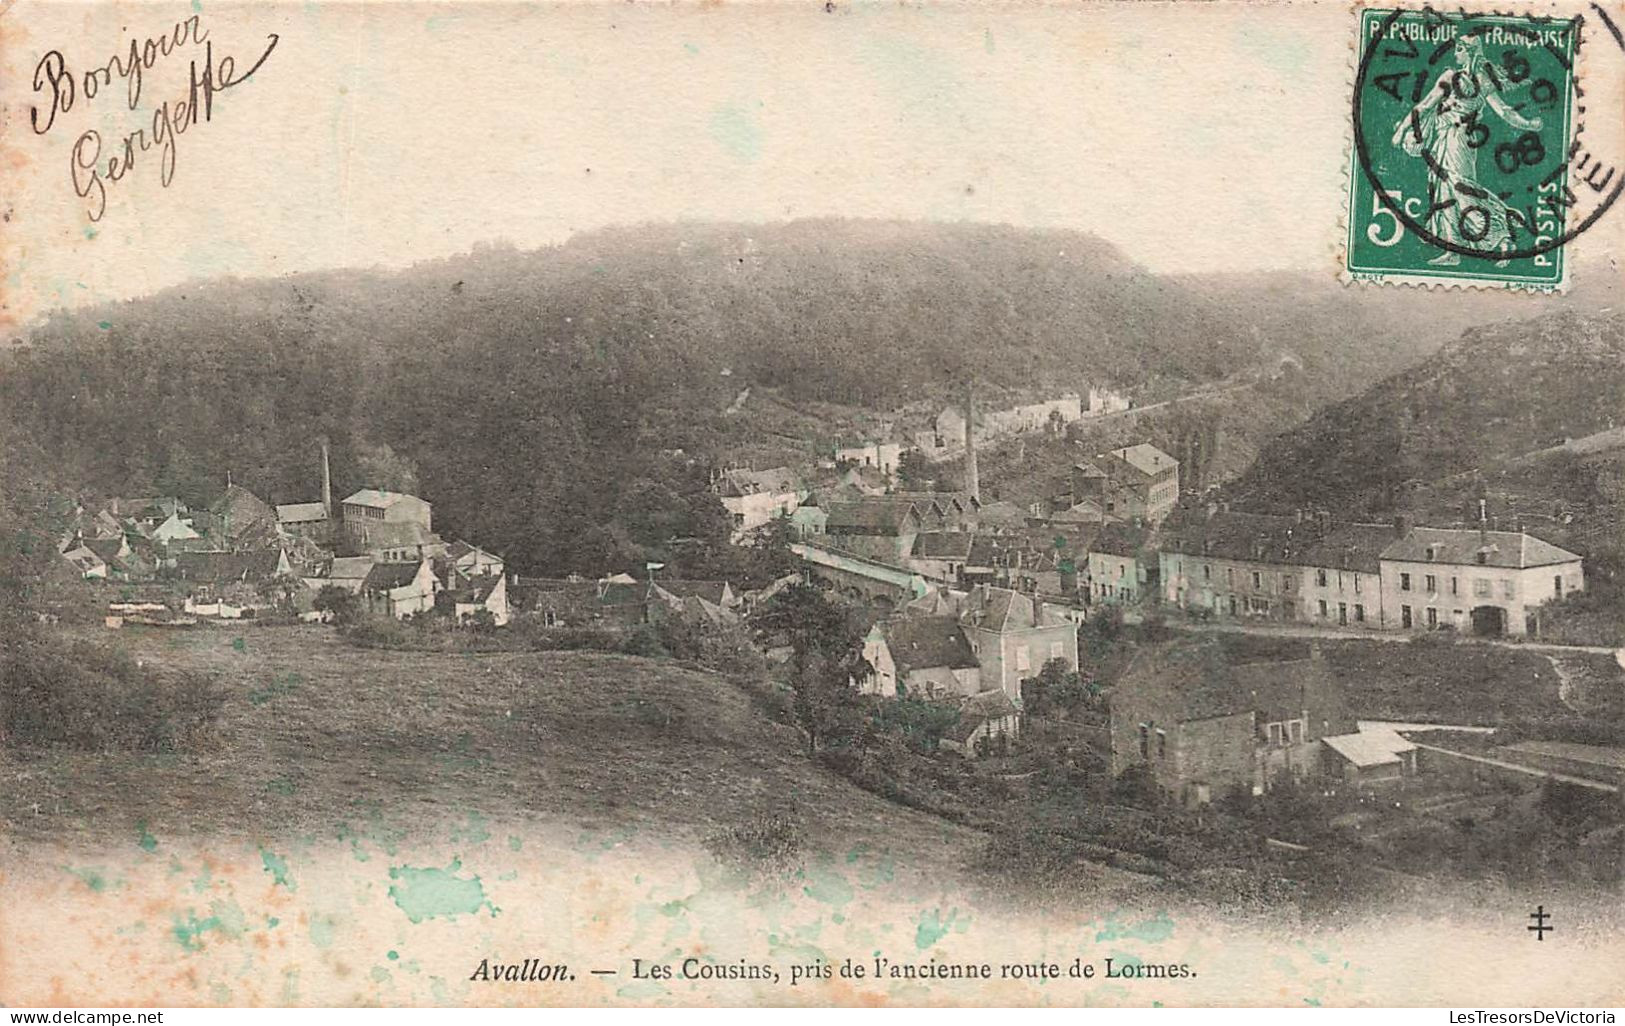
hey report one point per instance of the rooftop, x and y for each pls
(378, 498)
(1512, 549)
(928, 642)
(300, 512)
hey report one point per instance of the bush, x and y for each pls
(644, 641)
(768, 843)
(95, 699)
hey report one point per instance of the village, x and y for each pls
(977, 607)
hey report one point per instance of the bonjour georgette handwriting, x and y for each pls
(93, 163)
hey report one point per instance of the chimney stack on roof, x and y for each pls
(1402, 524)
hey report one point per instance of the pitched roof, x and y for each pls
(220, 567)
(714, 592)
(979, 709)
(1146, 458)
(1120, 540)
(300, 512)
(390, 575)
(1005, 609)
(964, 500)
(1369, 747)
(106, 549)
(477, 589)
(242, 508)
(621, 593)
(376, 497)
(876, 515)
(773, 481)
(1514, 549)
(351, 567)
(928, 642)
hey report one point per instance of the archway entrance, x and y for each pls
(1489, 621)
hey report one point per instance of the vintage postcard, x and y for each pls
(829, 503)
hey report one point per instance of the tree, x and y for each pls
(341, 606)
(914, 472)
(1058, 687)
(826, 641)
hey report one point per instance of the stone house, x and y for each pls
(1202, 726)
(920, 655)
(400, 589)
(754, 497)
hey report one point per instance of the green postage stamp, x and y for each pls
(1469, 160)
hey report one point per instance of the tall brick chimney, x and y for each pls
(327, 484)
(973, 482)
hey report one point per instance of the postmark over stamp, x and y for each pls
(1470, 161)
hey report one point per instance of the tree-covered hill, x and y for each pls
(540, 399)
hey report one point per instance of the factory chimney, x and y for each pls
(327, 484)
(973, 484)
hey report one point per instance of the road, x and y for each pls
(1396, 637)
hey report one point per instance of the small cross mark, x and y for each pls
(1540, 929)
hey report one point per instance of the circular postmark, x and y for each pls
(1469, 130)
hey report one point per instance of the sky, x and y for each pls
(1198, 137)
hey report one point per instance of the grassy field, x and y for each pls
(320, 740)
(1462, 683)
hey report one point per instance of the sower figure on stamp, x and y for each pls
(1446, 126)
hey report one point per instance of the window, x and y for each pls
(1258, 579)
(1433, 618)
(1275, 733)
(1359, 613)
(1453, 589)
(1295, 731)
(1145, 741)
(1507, 589)
(1433, 584)
(1404, 582)
(1207, 572)
(1481, 587)
(1320, 578)
(550, 618)
(1232, 605)
(1483, 558)
(1356, 584)
(1286, 582)
(1322, 607)
(1230, 576)
(1557, 585)
(1162, 743)
(1404, 616)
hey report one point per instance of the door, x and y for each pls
(1489, 621)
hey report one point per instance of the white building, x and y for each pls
(1477, 581)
